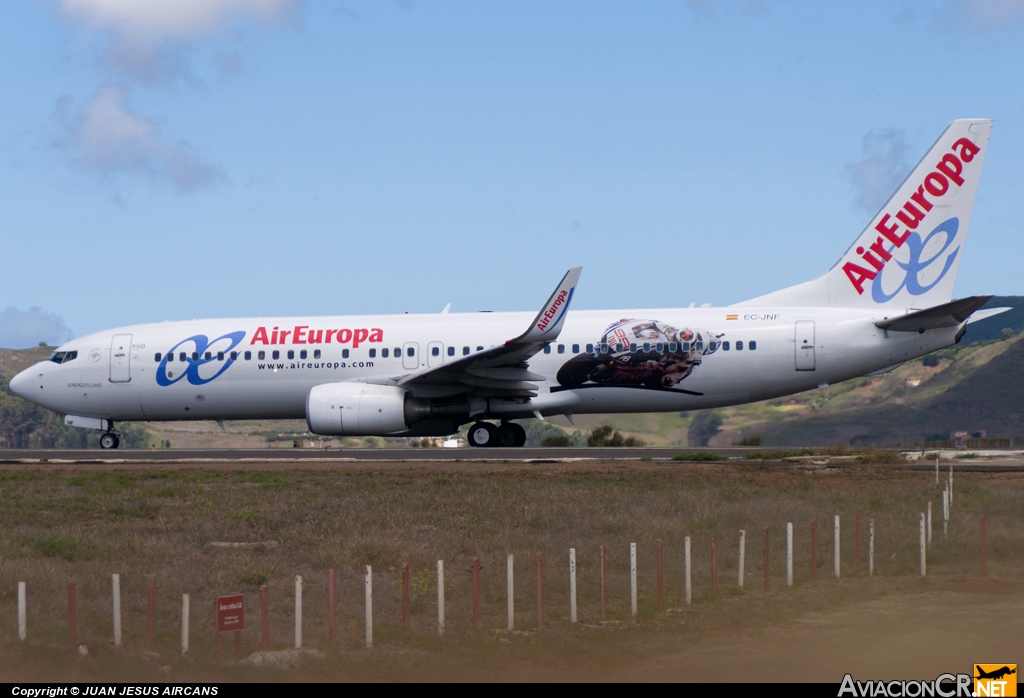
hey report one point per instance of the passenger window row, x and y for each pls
(233, 356)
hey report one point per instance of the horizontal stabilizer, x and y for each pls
(986, 313)
(946, 315)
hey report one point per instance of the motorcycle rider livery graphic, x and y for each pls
(640, 353)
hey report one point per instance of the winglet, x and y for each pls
(550, 319)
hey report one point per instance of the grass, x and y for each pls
(699, 456)
(345, 518)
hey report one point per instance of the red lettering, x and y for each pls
(298, 334)
(911, 216)
(967, 149)
(284, 335)
(329, 333)
(918, 198)
(858, 275)
(877, 248)
(273, 336)
(259, 336)
(360, 337)
(951, 166)
(315, 336)
(936, 184)
(870, 258)
(890, 232)
(344, 336)
(376, 335)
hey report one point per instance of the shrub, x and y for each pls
(699, 456)
(606, 436)
(751, 440)
(706, 424)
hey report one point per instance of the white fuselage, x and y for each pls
(124, 374)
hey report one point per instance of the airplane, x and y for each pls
(888, 299)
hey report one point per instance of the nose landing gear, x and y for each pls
(110, 439)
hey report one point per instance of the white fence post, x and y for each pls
(936, 471)
(440, 598)
(689, 584)
(184, 624)
(369, 607)
(871, 547)
(789, 554)
(743, 555)
(950, 484)
(117, 609)
(836, 546)
(929, 524)
(923, 544)
(632, 578)
(572, 585)
(298, 612)
(22, 613)
(511, 596)
(945, 513)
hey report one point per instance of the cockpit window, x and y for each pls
(62, 357)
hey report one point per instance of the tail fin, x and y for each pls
(909, 254)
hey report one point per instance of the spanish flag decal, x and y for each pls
(732, 317)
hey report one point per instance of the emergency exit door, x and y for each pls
(120, 358)
(804, 345)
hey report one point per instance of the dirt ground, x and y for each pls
(63, 523)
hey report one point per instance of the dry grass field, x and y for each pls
(82, 523)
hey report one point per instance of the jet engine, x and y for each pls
(357, 409)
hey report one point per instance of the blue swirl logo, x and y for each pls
(199, 345)
(915, 265)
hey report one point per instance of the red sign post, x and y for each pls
(231, 618)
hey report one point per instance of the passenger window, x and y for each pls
(384, 353)
(435, 351)
(604, 347)
(739, 345)
(234, 356)
(725, 346)
(262, 355)
(672, 347)
(698, 346)
(195, 356)
(647, 346)
(479, 348)
(632, 346)
(220, 356)
(316, 353)
(752, 345)
(275, 355)
(590, 348)
(561, 348)
(451, 351)
(398, 352)
(156, 357)
(291, 354)
(547, 348)
(686, 347)
(303, 354)
(373, 353)
(344, 353)
(410, 351)
(170, 356)
(248, 356)
(575, 348)
(465, 351)
(182, 356)
(659, 347)
(207, 356)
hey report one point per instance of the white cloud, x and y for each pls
(106, 136)
(876, 176)
(147, 36)
(21, 329)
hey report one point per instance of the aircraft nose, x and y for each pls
(21, 384)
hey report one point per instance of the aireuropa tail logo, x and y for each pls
(918, 275)
(944, 686)
(995, 680)
(196, 359)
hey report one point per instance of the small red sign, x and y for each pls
(230, 613)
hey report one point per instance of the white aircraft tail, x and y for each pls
(909, 255)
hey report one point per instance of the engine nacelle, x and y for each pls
(356, 409)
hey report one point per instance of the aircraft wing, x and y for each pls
(946, 315)
(503, 370)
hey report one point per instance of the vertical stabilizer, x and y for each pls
(909, 255)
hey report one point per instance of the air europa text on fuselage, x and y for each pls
(550, 312)
(936, 184)
(302, 334)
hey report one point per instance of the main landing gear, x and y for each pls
(110, 439)
(486, 435)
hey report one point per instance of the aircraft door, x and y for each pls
(435, 354)
(410, 356)
(120, 358)
(804, 345)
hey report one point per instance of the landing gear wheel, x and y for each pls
(483, 434)
(511, 435)
(109, 440)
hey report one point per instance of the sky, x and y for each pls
(178, 159)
